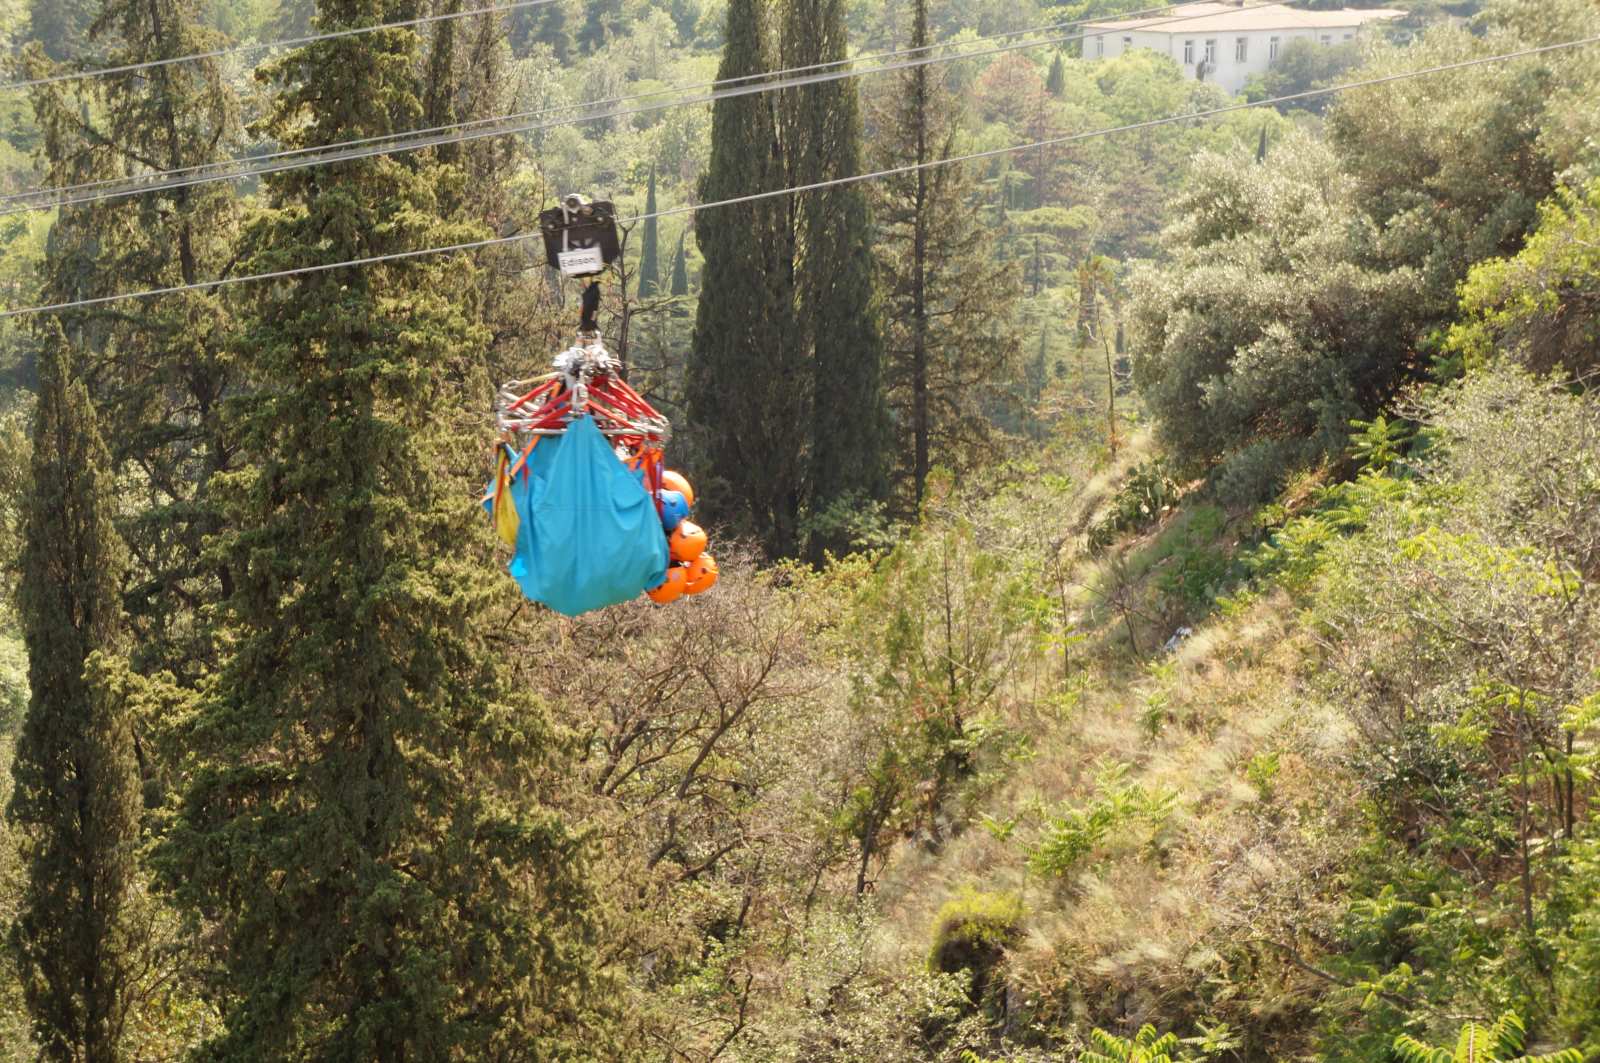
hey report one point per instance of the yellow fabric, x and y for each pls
(506, 521)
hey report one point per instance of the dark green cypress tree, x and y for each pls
(799, 423)
(649, 247)
(748, 376)
(1056, 81)
(76, 804)
(362, 820)
(835, 286)
(680, 270)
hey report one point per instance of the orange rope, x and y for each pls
(523, 460)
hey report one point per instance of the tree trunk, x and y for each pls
(1111, 393)
(919, 286)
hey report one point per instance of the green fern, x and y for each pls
(1500, 1043)
(1379, 443)
(1074, 834)
(1146, 1047)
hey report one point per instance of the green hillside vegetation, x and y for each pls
(1157, 612)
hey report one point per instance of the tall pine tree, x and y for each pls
(948, 303)
(362, 817)
(748, 376)
(159, 367)
(650, 246)
(834, 281)
(76, 803)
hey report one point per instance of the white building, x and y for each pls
(1225, 43)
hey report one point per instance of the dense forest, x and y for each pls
(1155, 614)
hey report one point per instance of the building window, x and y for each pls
(1211, 53)
(1241, 49)
(1272, 49)
(1349, 36)
(1099, 47)
(1327, 39)
(1127, 43)
(1188, 53)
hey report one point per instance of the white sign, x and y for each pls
(582, 261)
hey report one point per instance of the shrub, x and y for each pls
(1302, 65)
(1147, 494)
(1578, 973)
(1074, 834)
(1274, 318)
(1148, 1046)
(1455, 606)
(1199, 569)
(972, 932)
(1481, 1044)
(1255, 473)
(1542, 306)
(1262, 773)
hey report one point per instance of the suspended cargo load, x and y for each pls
(580, 460)
(580, 493)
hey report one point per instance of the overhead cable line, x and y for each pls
(184, 177)
(458, 133)
(38, 193)
(501, 241)
(292, 42)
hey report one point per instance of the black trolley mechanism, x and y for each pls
(580, 236)
(580, 240)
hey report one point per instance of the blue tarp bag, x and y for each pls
(590, 535)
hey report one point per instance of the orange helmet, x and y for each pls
(672, 588)
(702, 575)
(687, 541)
(675, 481)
